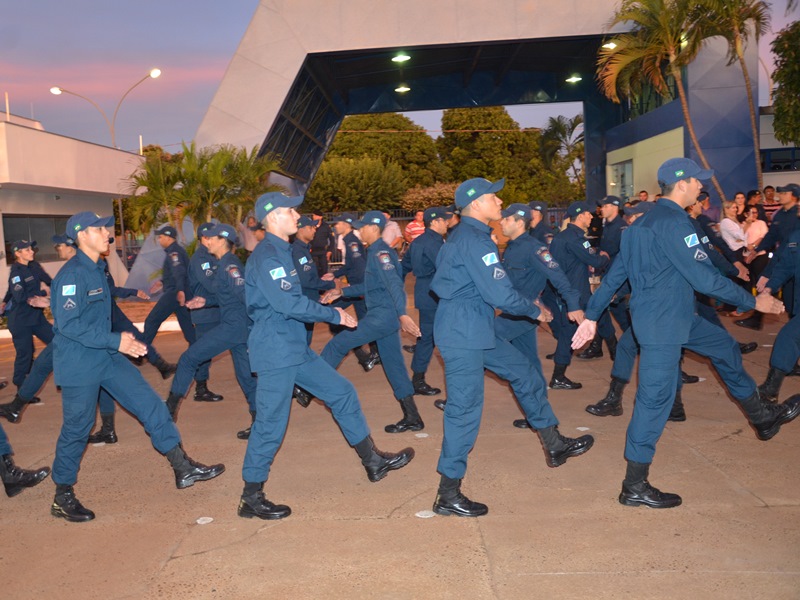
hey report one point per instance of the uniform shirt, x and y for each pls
(383, 284)
(355, 260)
(116, 291)
(81, 304)
(662, 257)
(530, 266)
(720, 262)
(310, 280)
(201, 274)
(420, 259)
(174, 273)
(787, 266)
(784, 222)
(575, 255)
(471, 282)
(612, 234)
(24, 281)
(278, 308)
(543, 232)
(230, 293)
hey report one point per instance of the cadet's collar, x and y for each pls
(671, 204)
(301, 243)
(84, 259)
(476, 224)
(276, 241)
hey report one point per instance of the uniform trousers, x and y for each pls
(201, 329)
(424, 350)
(168, 304)
(5, 446)
(79, 402)
(22, 336)
(274, 402)
(42, 367)
(659, 374)
(787, 346)
(120, 323)
(465, 388)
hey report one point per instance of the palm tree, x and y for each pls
(155, 191)
(735, 20)
(563, 137)
(666, 36)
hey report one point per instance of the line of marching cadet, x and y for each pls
(661, 258)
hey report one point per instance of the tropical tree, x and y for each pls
(355, 184)
(562, 139)
(736, 21)
(666, 36)
(786, 102)
(155, 195)
(422, 197)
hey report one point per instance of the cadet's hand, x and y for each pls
(407, 324)
(142, 295)
(545, 316)
(576, 316)
(44, 287)
(749, 258)
(744, 274)
(769, 304)
(584, 334)
(327, 277)
(762, 284)
(39, 301)
(196, 302)
(346, 319)
(331, 295)
(130, 345)
(181, 296)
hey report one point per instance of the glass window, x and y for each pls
(41, 229)
(622, 179)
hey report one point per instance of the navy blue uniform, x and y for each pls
(784, 223)
(24, 320)
(663, 248)
(609, 243)
(279, 309)
(310, 280)
(787, 345)
(385, 301)
(85, 359)
(471, 282)
(174, 280)
(355, 264)
(575, 255)
(543, 232)
(202, 269)
(230, 334)
(420, 259)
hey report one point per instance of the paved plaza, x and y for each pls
(550, 533)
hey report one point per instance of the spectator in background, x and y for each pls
(247, 234)
(322, 245)
(755, 229)
(391, 232)
(754, 199)
(644, 196)
(771, 204)
(416, 228)
(740, 203)
(710, 211)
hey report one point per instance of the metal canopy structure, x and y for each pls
(331, 85)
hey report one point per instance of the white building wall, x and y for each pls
(647, 156)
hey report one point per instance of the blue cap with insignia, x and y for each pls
(472, 189)
(371, 217)
(306, 222)
(266, 203)
(577, 208)
(223, 231)
(202, 231)
(676, 169)
(347, 217)
(63, 239)
(538, 205)
(83, 220)
(523, 211)
(435, 212)
(22, 244)
(638, 209)
(609, 200)
(789, 187)
(167, 230)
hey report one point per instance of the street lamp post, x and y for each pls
(153, 74)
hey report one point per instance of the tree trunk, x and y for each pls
(751, 104)
(676, 72)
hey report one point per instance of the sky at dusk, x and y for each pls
(99, 48)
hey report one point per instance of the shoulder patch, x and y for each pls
(704, 239)
(277, 273)
(303, 260)
(691, 240)
(15, 279)
(68, 290)
(791, 245)
(490, 259)
(547, 258)
(69, 304)
(700, 255)
(176, 258)
(285, 285)
(587, 244)
(498, 273)
(233, 271)
(205, 266)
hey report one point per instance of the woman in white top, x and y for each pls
(730, 229)
(755, 230)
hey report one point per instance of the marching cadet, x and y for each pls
(420, 259)
(539, 227)
(279, 309)
(529, 266)
(233, 327)
(471, 283)
(575, 255)
(385, 300)
(663, 260)
(25, 311)
(87, 357)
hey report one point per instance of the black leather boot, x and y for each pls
(187, 471)
(13, 410)
(751, 322)
(595, 350)
(203, 394)
(637, 491)
(173, 400)
(677, 413)
(771, 387)
(767, 418)
(560, 381)
(302, 397)
(106, 435)
(440, 404)
(15, 479)
(378, 463)
(450, 501)
(410, 348)
(253, 504)
(421, 387)
(559, 448)
(611, 405)
(748, 347)
(411, 420)
(244, 434)
(611, 342)
(166, 369)
(367, 360)
(67, 506)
